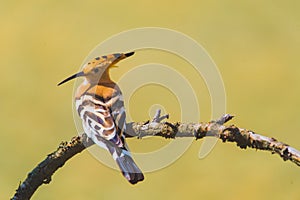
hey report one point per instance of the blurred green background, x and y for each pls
(255, 44)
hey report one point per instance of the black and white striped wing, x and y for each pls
(119, 114)
(104, 122)
(96, 117)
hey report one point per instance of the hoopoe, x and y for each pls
(99, 103)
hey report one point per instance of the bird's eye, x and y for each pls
(96, 70)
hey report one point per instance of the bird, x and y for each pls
(99, 103)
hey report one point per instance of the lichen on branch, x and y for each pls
(243, 138)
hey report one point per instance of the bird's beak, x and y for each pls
(71, 77)
(119, 57)
(129, 54)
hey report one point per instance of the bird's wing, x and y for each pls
(102, 122)
(119, 114)
(96, 116)
(99, 119)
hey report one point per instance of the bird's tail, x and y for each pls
(126, 164)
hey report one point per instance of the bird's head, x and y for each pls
(97, 68)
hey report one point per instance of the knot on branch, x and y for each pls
(47, 180)
(281, 148)
(169, 130)
(65, 146)
(233, 134)
(200, 132)
(286, 155)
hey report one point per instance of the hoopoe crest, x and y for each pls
(99, 103)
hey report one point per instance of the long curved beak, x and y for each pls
(71, 77)
(129, 54)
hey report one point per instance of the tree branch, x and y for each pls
(244, 138)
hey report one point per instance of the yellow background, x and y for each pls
(255, 44)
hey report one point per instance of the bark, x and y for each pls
(243, 138)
